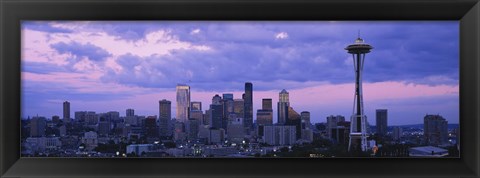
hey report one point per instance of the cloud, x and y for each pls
(78, 50)
(281, 35)
(196, 31)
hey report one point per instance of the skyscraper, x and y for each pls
(228, 109)
(435, 130)
(283, 104)
(265, 115)
(66, 111)
(381, 118)
(248, 103)
(183, 102)
(165, 115)
(216, 109)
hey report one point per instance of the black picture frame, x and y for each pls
(13, 11)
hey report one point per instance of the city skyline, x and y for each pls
(96, 76)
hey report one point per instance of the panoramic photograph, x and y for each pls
(240, 89)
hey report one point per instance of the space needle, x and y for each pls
(358, 120)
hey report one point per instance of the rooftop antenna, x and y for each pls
(358, 33)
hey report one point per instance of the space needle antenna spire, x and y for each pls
(358, 120)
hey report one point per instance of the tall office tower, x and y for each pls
(38, 126)
(164, 117)
(358, 132)
(66, 112)
(397, 133)
(216, 110)
(150, 126)
(228, 104)
(435, 130)
(183, 102)
(195, 105)
(130, 112)
(248, 109)
(267, 104)
(381, 117)
(265, 115)
(238, 105)
(282, 107)
(228, 109)
(305, 116)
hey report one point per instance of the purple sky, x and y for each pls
(101, 66)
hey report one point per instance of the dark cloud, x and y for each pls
(418, 53)
(88, 50)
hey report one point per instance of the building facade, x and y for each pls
(279, 135)
(66, 112)
(183, 102)
(381, 121)
(435, 129)
(282, 107)
(165, 115)
(248, 106)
